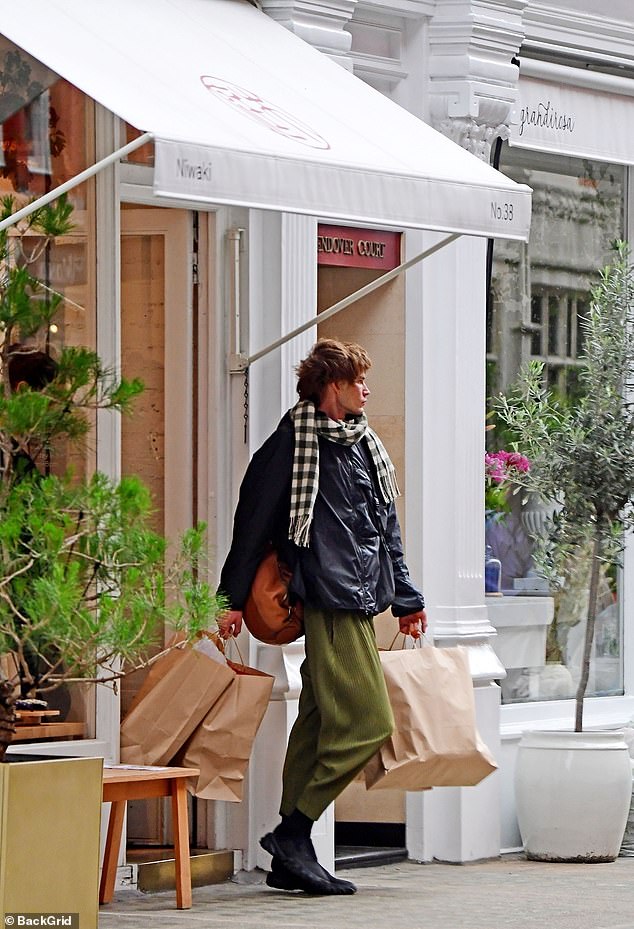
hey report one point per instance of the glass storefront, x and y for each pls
(46, 138)
(538, 296)
(46, 133)
(140, 156)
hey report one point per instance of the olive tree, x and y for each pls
(583, 454)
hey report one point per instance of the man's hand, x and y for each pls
(229, 623)
(413, 624)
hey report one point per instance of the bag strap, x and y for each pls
(418, 641)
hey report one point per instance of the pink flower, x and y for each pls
(520, 462)
(494, 468)
(499, 466)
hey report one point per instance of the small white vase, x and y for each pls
(573, 792)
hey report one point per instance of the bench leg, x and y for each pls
(111, 852)
(181, 845)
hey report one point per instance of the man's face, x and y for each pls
(352, 398)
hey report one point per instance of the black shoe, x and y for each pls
(298, 863)
(282, 879)
(345, 887)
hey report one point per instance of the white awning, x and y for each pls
(244, 112)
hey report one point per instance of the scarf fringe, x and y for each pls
(299, 529)
(383, 467)
(389, 486)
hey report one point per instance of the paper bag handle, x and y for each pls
(221, 643)
(418, 641)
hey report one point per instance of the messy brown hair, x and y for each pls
(329, 361)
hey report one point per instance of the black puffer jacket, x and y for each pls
(355, 558)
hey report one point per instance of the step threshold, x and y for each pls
(362, 856)
(156, 868)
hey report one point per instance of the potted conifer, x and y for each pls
(86, 586)
(573, 789)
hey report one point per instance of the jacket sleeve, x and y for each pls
(407, 598)
(263, 507)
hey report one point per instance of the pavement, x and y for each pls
(507, 893)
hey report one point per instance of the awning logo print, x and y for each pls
(263, 112)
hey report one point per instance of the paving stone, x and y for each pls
(510, 893)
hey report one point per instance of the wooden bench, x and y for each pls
(37, 731)
(33, 725)
(128, 782)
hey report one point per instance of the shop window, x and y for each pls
(140, 156)
(539, 294)
(46, 138)
(556, 337)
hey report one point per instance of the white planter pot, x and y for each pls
(573, 792)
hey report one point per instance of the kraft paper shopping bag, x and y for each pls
(435, 742)
(178, 692)
(221, 745)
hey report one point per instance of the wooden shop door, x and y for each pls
(157, 438)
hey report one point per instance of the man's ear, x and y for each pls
(330, 390)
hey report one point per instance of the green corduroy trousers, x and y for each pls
(344, 711)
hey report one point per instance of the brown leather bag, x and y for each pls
(267, 613)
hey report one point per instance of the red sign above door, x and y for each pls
(346, 247)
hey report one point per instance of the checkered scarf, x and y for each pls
(310, 423)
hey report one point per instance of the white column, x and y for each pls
(446, 365)
(473, 81)
(282, 293)
(269, 751)
(299, 295)
(471, 96)
(107, 709)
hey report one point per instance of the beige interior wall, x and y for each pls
(155, 347)
(378, 323)
(151, 290)
(358, 805)
(143, 355)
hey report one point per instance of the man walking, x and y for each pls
(322, 490)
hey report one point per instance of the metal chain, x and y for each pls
(246, 405)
